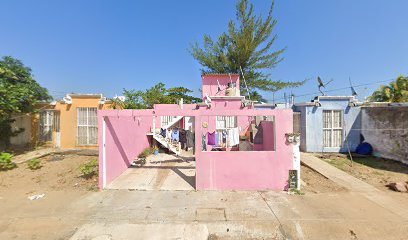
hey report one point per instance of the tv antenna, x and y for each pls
(322, 84)
(246, 86)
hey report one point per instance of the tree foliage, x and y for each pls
(247, 44)
(19, 92)
(158, 94)
(397, 91)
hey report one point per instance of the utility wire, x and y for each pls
(337, 89)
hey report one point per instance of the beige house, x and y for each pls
(68, 123)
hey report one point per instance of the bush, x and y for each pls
(5, 161)
(146, 152)
(89, 169)
(34, 164)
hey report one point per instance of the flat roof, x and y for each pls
(219, 74)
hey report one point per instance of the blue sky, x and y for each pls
(99, 46)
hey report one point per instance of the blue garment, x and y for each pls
(175, 134)
(217, 139)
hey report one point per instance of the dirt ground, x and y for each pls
(314, 182)
(375, 171)
(59, 172)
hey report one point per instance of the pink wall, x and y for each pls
(252, 170)
(210, 85)
(125, 139)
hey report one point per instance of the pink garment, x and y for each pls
(211, 139)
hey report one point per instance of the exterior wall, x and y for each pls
(386, 129)
(252, 170)
(23, 138)
(210, 84)
(68, 121)
(246, 170)
(312, 126)
(125, 139)
(296, 122)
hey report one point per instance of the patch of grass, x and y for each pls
(146, 152)
(89, 169)
(296, 191)
(5, 161)
(34, 164)
(372, 168)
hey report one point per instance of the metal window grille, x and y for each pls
(226, 122)
(46, 125)
(165, 120)
(332, 128)
(87, 133)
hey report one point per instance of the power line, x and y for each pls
(337, 89)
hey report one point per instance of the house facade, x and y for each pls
(68, 123)
(329, 124)
(236, 146)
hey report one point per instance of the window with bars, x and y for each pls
(332, 128)
(226, 122)
(87, 133)
(46, 125)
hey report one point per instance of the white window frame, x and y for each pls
(331, 129)
(88, 125)
(226, 120)
(46, 125)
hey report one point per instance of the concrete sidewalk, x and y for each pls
(161, 172)
(124, 214)
(355, 185)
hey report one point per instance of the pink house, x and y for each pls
(237, 147)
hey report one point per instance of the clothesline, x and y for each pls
(223, 138)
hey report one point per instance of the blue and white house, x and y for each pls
(330, 124)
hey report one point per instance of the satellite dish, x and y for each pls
(353, 92)
(322, 84)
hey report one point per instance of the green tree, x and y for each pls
(177, 93)
(158, 94)
(397, 91)
(19, 92)
(248, 45)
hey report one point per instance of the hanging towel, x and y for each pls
(230, 140)
(204, 142)
(217, 139)
(175, 135)
(211, 138)
(190, 138)
(235, 136)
